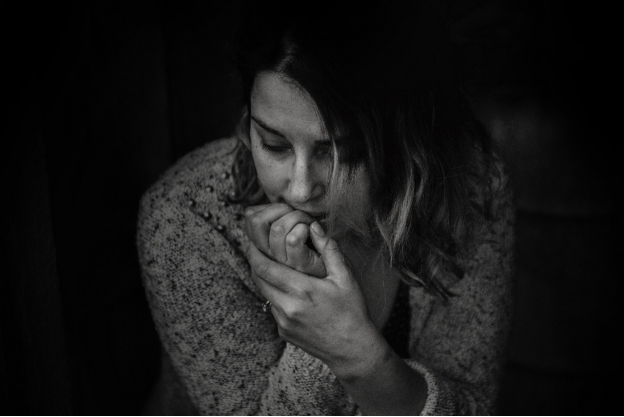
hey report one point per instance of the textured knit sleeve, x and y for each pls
(459, 346)
(226, 354)
(205, 307)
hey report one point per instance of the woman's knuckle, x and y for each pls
(286, 310)
(255, 220)
(248, 212)
(292, 240)
(290, 311)
(262, 269)
(277, 229)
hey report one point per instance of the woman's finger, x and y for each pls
(268, 290)
(253, 209)
(250, 211)
(272, 294)
(299, 256)
(274, 274)
(330, 252)
(280, 298)
(281, 230)
(258, 220)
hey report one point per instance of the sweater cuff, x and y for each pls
(437, 402)
(432, 390)
(435, 405)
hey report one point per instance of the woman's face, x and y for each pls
(292, 156)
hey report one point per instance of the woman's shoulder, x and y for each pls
(188, 232)
(209, 164)
(197, 185)
(491, 242)
(209, 160)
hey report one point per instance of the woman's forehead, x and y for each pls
(284, 106)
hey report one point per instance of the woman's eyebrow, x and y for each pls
(322, 142)
(267, 128)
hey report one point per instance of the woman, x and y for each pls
(349, 250)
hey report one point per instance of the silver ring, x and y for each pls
(266, 307)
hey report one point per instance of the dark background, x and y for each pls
(101, 97)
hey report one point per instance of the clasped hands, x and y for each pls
(317, 304)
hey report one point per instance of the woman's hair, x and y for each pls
(381, 76)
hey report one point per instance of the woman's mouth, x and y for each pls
(318, 215)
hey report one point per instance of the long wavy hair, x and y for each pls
(381, 75)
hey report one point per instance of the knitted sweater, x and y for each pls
(222, 353)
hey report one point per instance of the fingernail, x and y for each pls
(318, 229)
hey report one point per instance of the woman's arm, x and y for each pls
(460, 345)
(456, 348)
(385, 384)
(328, 319)
(204, 304)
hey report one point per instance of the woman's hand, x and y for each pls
(280, 232)
(325, 317)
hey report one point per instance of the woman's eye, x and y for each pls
(274, 148)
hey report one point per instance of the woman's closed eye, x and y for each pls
(274, 148)
(320, 151)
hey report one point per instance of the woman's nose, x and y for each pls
(304, 183)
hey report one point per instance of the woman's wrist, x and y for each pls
(380, 382)
(370, 351)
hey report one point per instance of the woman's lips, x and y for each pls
(319, 217)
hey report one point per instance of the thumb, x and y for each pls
(329, 250)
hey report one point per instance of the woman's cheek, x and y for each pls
(270, 178)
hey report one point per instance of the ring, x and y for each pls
(266, 307)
